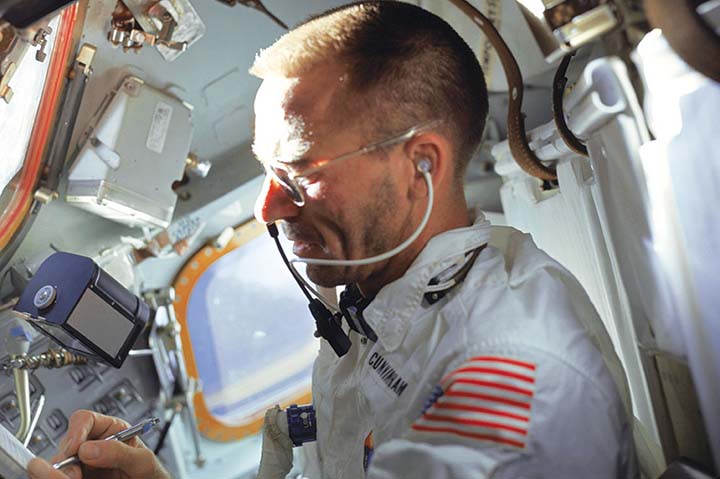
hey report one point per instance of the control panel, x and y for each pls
(130, 393)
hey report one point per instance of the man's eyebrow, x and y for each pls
(301, 161)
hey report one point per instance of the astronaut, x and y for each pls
(475, 354)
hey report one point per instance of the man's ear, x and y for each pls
(430, 152)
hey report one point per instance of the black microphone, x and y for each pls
(327, 325)
(329, 328)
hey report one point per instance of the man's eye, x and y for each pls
(294, 172)
(301, 168)
(309, 179)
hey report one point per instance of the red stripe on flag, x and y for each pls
(487, 397)
(490, 384)
(484, 410)
(496, 359)
(485, 437)
(474, 422)
(499, 372)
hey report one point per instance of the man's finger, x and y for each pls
(40, 469)
(133, 461)
(84, 425)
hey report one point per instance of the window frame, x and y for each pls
(15, 213)
(210, 425)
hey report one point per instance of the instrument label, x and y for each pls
(159, 127)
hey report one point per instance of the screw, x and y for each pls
(45, 297)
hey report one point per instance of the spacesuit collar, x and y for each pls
(390, 313)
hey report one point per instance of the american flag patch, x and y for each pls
(487, 399)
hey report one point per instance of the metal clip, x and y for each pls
(41, 39)
(168, 22)
(6, 93)
(85, 58)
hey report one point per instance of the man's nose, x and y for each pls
(273, 203)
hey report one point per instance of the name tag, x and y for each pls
(387, 374)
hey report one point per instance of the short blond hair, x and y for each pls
(404, 66)
(319, 40)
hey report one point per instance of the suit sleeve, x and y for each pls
(509, 415)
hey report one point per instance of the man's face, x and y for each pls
(355, 209)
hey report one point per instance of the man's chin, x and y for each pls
(326, 276)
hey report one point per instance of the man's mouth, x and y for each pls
(307, 243)
(308, 249)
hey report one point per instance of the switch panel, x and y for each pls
(56, 423)
(128, 393)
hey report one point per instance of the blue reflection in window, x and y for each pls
(251, 331)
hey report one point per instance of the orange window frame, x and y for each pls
(210, 426)
(12, 217)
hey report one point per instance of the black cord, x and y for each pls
(165, 429)
(272, 229)
(328, 326)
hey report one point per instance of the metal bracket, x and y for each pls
(85, 58)
(165, 340)
(60, 143)
(40, 40)
(6, 93)
(127, 33)
(160, 12)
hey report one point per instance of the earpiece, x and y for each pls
(424, 165)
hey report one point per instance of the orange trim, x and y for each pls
(209, 425)
(21, 200)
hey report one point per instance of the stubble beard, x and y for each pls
(376, 222)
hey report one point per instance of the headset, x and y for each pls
(328, 317)
(423, 166)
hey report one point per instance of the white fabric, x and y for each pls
(516, 303)
(682, 166)
(277, 449)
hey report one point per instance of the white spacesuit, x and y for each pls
(502, 377)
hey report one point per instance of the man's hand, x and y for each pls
(100, 459)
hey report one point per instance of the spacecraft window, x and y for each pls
(17, 117)
(250, 331)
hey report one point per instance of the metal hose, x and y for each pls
(22, 393)
(21, 364)
(52, 358)
(517, 138)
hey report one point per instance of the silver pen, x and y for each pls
(126, 434)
